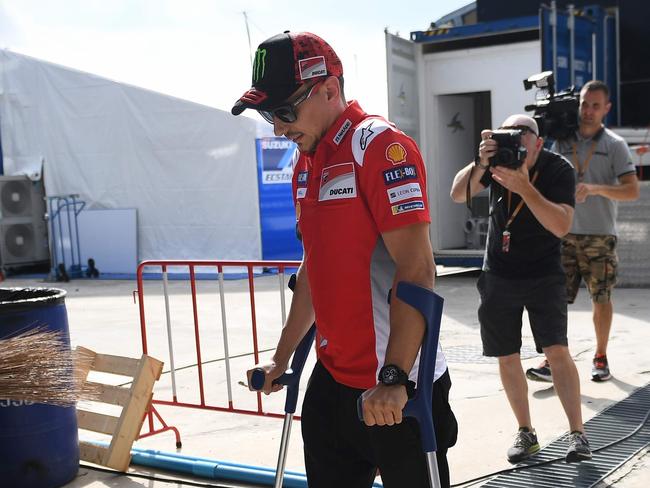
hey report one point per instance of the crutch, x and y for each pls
(291, 379)
(429, 304)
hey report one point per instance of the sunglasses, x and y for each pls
(287, 111)
(523, 128)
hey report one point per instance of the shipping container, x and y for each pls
(446, 84)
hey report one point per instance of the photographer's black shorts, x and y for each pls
(342, 452)
(502, 305)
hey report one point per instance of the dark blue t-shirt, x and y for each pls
(534, 251)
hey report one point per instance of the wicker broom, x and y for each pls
(38, 366)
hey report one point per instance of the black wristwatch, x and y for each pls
(393, 375)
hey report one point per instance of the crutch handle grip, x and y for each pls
(291, 379)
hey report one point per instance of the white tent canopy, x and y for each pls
(189, 170)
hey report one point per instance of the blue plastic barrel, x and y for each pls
(39, 447)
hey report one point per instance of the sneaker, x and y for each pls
(578, 449)
(540, 373)
(525, 445)
(600, 369)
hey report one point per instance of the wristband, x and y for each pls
(477, 162)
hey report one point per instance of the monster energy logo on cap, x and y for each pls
(259, 66)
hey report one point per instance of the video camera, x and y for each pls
(556, 113)
(510, 153)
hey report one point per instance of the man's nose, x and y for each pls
(279, 127)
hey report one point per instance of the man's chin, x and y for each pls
(306, 147)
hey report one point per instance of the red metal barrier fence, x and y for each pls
(218, 266)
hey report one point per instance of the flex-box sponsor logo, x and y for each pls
(401, 173)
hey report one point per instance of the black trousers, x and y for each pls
(342, 452)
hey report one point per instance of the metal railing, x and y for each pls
(191, 267)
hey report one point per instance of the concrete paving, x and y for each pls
(103, 317)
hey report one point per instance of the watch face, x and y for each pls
(389, 375)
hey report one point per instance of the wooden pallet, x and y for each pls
(135, 401)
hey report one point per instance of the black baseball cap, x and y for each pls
(282, 64)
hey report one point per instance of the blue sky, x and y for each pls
(198, 49)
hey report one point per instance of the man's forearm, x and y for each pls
(623, 192)
(554, 217)
(407, 325)
(459, 186)
(300, 318)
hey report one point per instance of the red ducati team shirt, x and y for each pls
(365, 177)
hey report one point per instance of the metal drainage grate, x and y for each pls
(611, 424)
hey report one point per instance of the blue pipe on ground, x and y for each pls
(216, 470)
(213, 469)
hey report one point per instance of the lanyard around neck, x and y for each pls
(582, 167)
(521, 202)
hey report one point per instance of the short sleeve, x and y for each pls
(622, 159)
(392, 179)
(562, 188)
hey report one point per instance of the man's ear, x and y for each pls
(332, 88)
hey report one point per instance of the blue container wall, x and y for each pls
(604, 29)
(38, 443)
(277, 213)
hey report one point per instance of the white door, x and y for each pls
(455, 148)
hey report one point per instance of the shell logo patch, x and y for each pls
(396, 153)
(297, 211)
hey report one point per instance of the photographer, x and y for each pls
(531, 208)
(605, 174)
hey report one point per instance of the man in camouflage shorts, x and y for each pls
(592, 257)
(605, 175)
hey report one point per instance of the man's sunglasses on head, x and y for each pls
(524, 129)
(287, 111)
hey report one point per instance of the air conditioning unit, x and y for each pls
(23, 228)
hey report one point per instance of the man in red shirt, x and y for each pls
(359, 188)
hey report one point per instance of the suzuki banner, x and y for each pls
(275, 156)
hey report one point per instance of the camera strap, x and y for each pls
(505, 240)
(468, 190)
(582, 167)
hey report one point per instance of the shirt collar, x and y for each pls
(596, 137)
(350, 117)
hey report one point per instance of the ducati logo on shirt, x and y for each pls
(337, 182)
